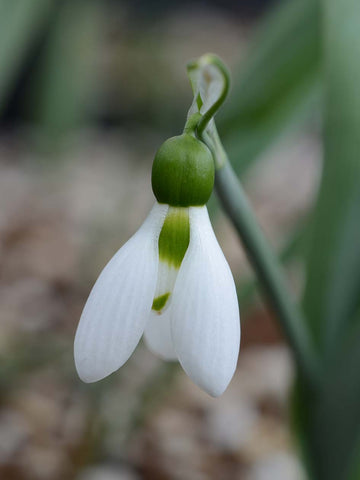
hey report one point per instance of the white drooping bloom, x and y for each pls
(171, 281)
(180, 293)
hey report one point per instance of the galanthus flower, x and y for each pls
(170, 282)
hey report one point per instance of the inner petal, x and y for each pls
(173, 242)
(157, 335)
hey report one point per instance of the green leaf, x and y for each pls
(333, 266)
(278, 86)
(355, 464)
(331, 413)
(21, 23)
(328, 419)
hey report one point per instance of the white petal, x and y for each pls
(157, 335)
(119, 304)
(205, 318)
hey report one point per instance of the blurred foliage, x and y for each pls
(65, 80)
(332, 295)
(279, 83)
(21, 25)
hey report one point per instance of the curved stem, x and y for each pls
(205, 60)
(192, 123)
(236, 205)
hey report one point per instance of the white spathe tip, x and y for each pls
(119, 304)
(205, 314)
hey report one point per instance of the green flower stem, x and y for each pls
(210, 59)
(237, 207)
(209, 114)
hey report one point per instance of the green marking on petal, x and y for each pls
(160, 302)
(174, 236)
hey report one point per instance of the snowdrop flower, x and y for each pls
(170, 282)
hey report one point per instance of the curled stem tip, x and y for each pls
(201, 63)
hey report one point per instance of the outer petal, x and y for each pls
(119, 304)
(205, 320)
(157, 335)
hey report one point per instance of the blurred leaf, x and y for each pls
(327, 420)
(338, 420)
(278, 85)
(333, 268)
(355, 465)
(21, 23)
(65, 82)
(331, 413)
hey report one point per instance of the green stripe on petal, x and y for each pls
(174, 236)
(160, 302)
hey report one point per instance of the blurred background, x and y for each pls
(88, 91)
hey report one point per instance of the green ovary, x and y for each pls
(183, 172)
